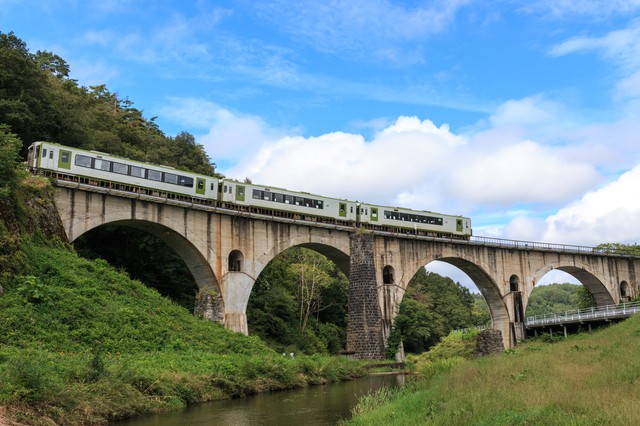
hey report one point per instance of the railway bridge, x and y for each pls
(226, 250)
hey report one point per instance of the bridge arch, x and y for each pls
(192, 257)
(489, 290)
(582, 273)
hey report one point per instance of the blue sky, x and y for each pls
(524, 115)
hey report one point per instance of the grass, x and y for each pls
(586, 379)
(81, 343)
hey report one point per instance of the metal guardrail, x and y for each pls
(622, 310)
(567, 248)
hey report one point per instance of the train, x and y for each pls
(108, 171)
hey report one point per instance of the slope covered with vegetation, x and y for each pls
(82, 343)
(585, 379)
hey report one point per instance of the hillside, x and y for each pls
(82, 343)
(586, 379)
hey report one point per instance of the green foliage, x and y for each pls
(145, 258)
(39, 101)
(619, 248)
(558, 298)
(299, 304)
(90, 345)
(432, 306)
(9, 156)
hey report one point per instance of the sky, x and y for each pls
(522, 114)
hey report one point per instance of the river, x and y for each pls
(310, 406)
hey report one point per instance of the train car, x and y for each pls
(288, 203)
(395, 218)
(107, 170)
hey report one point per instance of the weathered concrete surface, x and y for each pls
(205, 238)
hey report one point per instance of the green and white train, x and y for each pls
(107, 171)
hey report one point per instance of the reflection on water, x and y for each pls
(315, 405)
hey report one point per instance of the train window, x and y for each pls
(44, 152)
(257, 194)
(120, 168)
(201, 184)
(351, 209)
(288, 199)
(318, 204)
(170, 178)
(297, 201)
(154, 175)
(136, 171)
(64, 157)
(213, 186)
(278, 198)
(102, 164)
(83, 161)
(51, 155)
(185, 181)
(266, 196)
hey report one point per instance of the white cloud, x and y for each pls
(228, 136)
(417, 164)
(621, 46)
(525, 171)
(610, 214)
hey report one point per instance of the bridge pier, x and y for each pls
(236, 288)
(365, 336)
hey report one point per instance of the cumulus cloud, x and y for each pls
(417, 164)
(609, 214)
(227, 136)
(526, 172)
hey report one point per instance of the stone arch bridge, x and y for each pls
(226, 251)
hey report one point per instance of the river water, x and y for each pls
(311, 406)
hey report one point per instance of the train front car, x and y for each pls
(49, 156)
(395, 219)
(107, 171)
(285, 203)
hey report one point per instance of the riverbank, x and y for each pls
(586, 379)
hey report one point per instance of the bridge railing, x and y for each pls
(568, 248)
(622, 310)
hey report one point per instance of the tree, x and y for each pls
(9, 157)
(432, 306)
(298, 303)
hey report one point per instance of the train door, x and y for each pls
(342, 211)
(374, 214)
(239, 193)
(200, 186)
(459, 227)
(64, 159)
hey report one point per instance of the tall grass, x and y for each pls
(587, 379)
(81, 343)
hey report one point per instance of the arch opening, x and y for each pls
(440, 297)
(625, 294)
(299, 301)
(514, 283)
(388, 275)
(153, 254)
(587, 290)
(236, 260)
